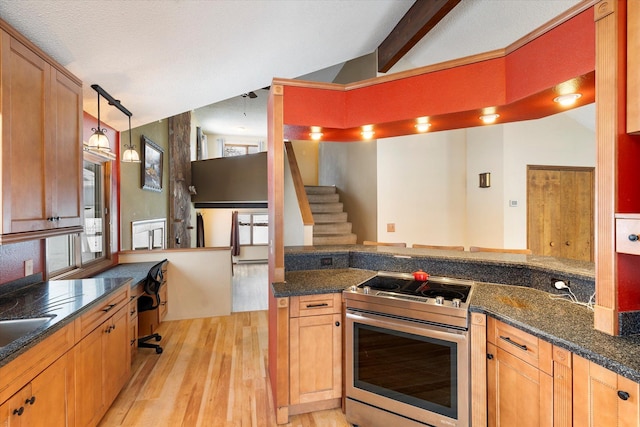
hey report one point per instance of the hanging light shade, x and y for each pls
(99, 140)
(130, 154)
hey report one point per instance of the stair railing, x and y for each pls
(301, 194)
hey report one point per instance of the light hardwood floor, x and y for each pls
(212, 373)
(250, 286)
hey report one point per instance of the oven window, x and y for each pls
(412, 369)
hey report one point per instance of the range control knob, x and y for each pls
(366, 289)
(456, 302)
(439, 300)
(353, 288)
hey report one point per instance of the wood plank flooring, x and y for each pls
(213, 372)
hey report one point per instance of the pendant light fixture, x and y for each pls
(130, 154)
(99, 140)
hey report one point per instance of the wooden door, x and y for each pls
(560, 211)
(518, 394)
(315, 358)
(598, 398)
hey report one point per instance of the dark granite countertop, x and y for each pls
(312, 282)
(61, 300)
(137, 271)
(540, 313)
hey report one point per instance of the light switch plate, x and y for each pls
(28, 267)
(391, 227)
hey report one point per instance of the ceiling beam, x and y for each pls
(415, 24)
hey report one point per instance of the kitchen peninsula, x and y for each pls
(510, 289)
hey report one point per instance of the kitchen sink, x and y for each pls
(11, 330)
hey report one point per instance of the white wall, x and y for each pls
(294, 230)
(198, 280)
(421, 188)
(428, 184)
(484, 213)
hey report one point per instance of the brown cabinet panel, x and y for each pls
(41, 120)
(603, 398)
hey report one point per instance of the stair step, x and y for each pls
(326, 207)
(335, 239)
(320, 189)
(321, 218)
(332, 228)
(323, 198)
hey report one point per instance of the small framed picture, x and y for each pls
(151, 165)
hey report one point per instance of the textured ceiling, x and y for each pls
(162, 57)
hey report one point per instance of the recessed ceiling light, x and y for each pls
(316, 133)
(567, 99)
(367, 131)
(489, 118)
(423, 124)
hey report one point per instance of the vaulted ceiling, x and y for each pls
(161, 58)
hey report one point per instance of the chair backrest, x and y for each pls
(153, 282)
(370, 243)
(506, 251)
(445, 247)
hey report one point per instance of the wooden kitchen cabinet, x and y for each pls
(102, 359)
(46, 401)
(519, 377)
(633, 67)
(602, 397)
(41, 119)
(315, 352)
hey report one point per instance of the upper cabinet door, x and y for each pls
(41, 146)
(633, 67)
(64, 174)
(25, 79)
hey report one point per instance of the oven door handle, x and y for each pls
(440, 332)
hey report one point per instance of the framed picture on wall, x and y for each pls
(151, 165)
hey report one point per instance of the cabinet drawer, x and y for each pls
(521, 344)
(627, 234)
(92, 319)
(313, 305)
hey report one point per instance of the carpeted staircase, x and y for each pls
(331, 226)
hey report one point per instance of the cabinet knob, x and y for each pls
(634, 237)
(623, 395)
(489, 356)
(568, 243)
(18, 411)
(552, 244)
(30, 401)
(337, 323)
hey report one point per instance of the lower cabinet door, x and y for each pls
(44, 402)
(52, 396)
(315, 358)
(89, 397)
(603, 398)
(518, 394)
(116, 355)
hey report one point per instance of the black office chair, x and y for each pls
(151, 301)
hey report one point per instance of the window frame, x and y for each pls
(78, 268)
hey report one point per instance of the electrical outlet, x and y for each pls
(391, 227)
(28, 267)
(560, 284)
(326, 261)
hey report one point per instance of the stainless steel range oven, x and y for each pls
(407, 352)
